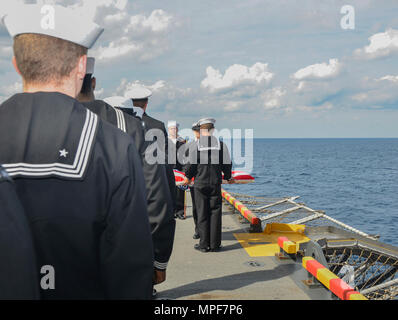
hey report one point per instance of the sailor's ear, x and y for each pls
(93, 83)
(14, 63)
(81, 67)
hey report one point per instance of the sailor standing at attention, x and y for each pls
(141, 100)
(159, 198)
(207, 165)
(107, 112)
(18, 273)
(175, 142)
(192, 147)
(84, 201)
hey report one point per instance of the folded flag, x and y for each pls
(240, 177)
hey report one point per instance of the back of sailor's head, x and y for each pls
(173, 124)
(49, 40)
(139, 95)
(206, 123)
(125, 104)
(195, 127)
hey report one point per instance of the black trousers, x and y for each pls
(194, 211)
(209, 209)
(180, 202)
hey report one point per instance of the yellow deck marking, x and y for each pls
(266, 244)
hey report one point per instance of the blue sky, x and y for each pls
(285, 68)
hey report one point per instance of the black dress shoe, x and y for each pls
(180, 216)
(215, 249)
(197, 247)
(196, 236)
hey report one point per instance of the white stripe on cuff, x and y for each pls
(160, 265)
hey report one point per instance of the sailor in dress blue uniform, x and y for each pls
(18, 270)
(194, 145)
(79, 178)
(159, 197)
(174, 145)
(207, 165)
(105, 108)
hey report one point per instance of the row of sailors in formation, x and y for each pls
(82, 215)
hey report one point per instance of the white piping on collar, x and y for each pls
(76, 170)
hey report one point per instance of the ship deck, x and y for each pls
(230, 274)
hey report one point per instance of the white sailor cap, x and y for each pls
(173, 124)
(206, 121)
(51, 20)
(138, 93)
(120, 102)
(124, 103)
(195, 126)
(90, 65)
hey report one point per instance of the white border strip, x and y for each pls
(76, 170)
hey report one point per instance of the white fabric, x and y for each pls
(115, 101)
(138, 92)
(75, 170)
(51, 20)
(90, 65)
(173, 124)
(124, 103)
(206, 121)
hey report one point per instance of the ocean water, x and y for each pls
(352, 180)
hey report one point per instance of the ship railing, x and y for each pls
(287, 210)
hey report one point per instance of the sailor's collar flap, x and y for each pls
(53, 136)
(138, 112)
(4, 175)
(208, 143)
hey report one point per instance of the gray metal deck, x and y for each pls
(228, 274)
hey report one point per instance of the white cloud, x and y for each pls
(242, 91)
(5, 52)
(236, 75)
(99, 93)
(273, 98)
(137, 37)
(389, 78)
(318, 71)
(322, 107)
(9, 90)
(126, 86)
(126, 33)
(115, 18)
(158, 21)
(116, 49)
(90, 8)
(301, 86)
(377, 93)
(381, 45)
(360, 97)
(233, 106)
